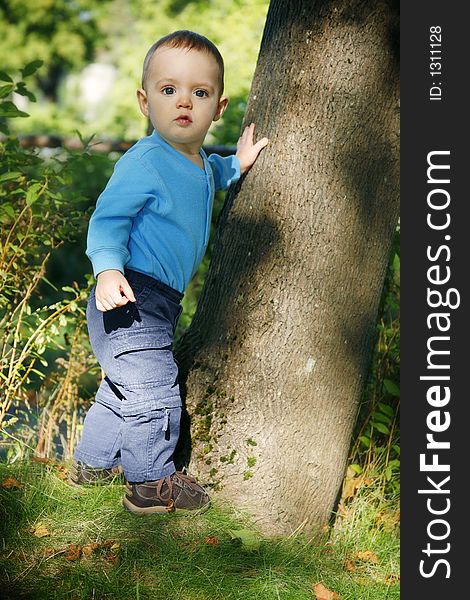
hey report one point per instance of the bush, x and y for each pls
(41, 209)
(376, 446)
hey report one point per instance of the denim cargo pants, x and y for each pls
(135, 419)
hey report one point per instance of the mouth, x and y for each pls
(183, 120)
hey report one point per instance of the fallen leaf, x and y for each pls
(40, 530)
(47, 552)
(111, 553)
(112, 558)
(392, 579)
(211, 540)
(10, 483)
(323, 593)
(350, 566)
(351, 484)
(368, 556)
(388, 520)
(72, 552)
(61, 472)
(89, 549)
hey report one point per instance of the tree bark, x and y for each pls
(275, 361)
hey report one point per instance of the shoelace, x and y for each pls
(184, 477)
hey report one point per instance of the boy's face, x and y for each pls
(182, 96)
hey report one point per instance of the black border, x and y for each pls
(430, 126)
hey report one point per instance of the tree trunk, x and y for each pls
(275, 360)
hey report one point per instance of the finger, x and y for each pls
(122, 301)
(248, 130)
(261, 143)
(103, 305)
(127, 291)
(108, 303)
(114, 299)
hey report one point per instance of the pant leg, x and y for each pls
(100, 445)
(133, 346)
(149, 441)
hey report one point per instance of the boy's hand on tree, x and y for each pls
(112, 290)
(247, 151)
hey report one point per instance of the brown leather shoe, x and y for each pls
(81, 474)
(178, 492)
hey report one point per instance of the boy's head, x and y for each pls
(191, 41)
(182, 86)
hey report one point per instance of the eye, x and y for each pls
(168, 91)
(201, 93)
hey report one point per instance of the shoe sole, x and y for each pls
(117, 478)
(149, 510)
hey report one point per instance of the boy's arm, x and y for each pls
(128, 190)
(131, 186)
(228, 169)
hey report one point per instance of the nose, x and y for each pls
(184, 100)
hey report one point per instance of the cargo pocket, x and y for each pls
(144, 357)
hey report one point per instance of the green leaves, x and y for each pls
(10, 176)
(382, 428)
(393, 465)
(5, 77)
(21, 89)
(31, 68)
(9, 110)
(357, 469)
(6, 89)
(40, 208)
(8, 209)
(391, 387)
(33, 193)
(376, 444)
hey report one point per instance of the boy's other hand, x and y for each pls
(247, 151)
(112, 290)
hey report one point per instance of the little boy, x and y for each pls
(146, 238)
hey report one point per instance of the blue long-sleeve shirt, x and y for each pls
(154, 215)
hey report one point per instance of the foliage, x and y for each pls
(9, 110)
(129, 29)
(61, 33)
(40, 209)
(376, 447)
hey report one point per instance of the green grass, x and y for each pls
(193, 557)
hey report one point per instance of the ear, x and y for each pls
(222, 105)
(143, 102)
